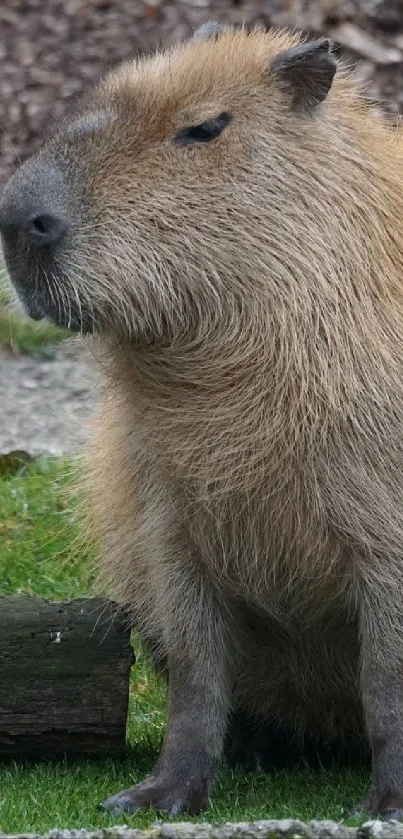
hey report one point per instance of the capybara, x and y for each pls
(225, 218)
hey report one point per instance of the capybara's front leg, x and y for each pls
(196, 636)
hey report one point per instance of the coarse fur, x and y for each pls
(245, 476)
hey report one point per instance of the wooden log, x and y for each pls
(64, 677)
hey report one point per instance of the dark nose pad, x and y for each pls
(44, 229)
(34, 208)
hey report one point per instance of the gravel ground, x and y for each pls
(45, 404)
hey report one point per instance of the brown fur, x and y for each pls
(246, 476)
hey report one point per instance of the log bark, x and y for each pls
(275, 829)
(64, 677)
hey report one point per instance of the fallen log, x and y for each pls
(64, 677)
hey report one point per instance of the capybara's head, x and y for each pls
(181, 184)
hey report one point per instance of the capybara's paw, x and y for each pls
(390, 814)
(357, 811)
(158, 794)
(387, 807)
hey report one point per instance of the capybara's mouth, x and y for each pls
(45, 294)
(63, 311)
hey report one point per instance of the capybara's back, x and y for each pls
(225, 216)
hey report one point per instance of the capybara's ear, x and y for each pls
(305, 72)
(208, 31)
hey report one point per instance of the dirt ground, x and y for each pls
(50, 50)
(45, 404)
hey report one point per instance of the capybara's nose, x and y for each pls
(42, 229)
(33, 209)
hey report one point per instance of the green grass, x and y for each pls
(21, 334)
(37, 527)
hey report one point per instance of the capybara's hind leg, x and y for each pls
(382, 697)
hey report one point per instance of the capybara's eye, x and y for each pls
(204, 132)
